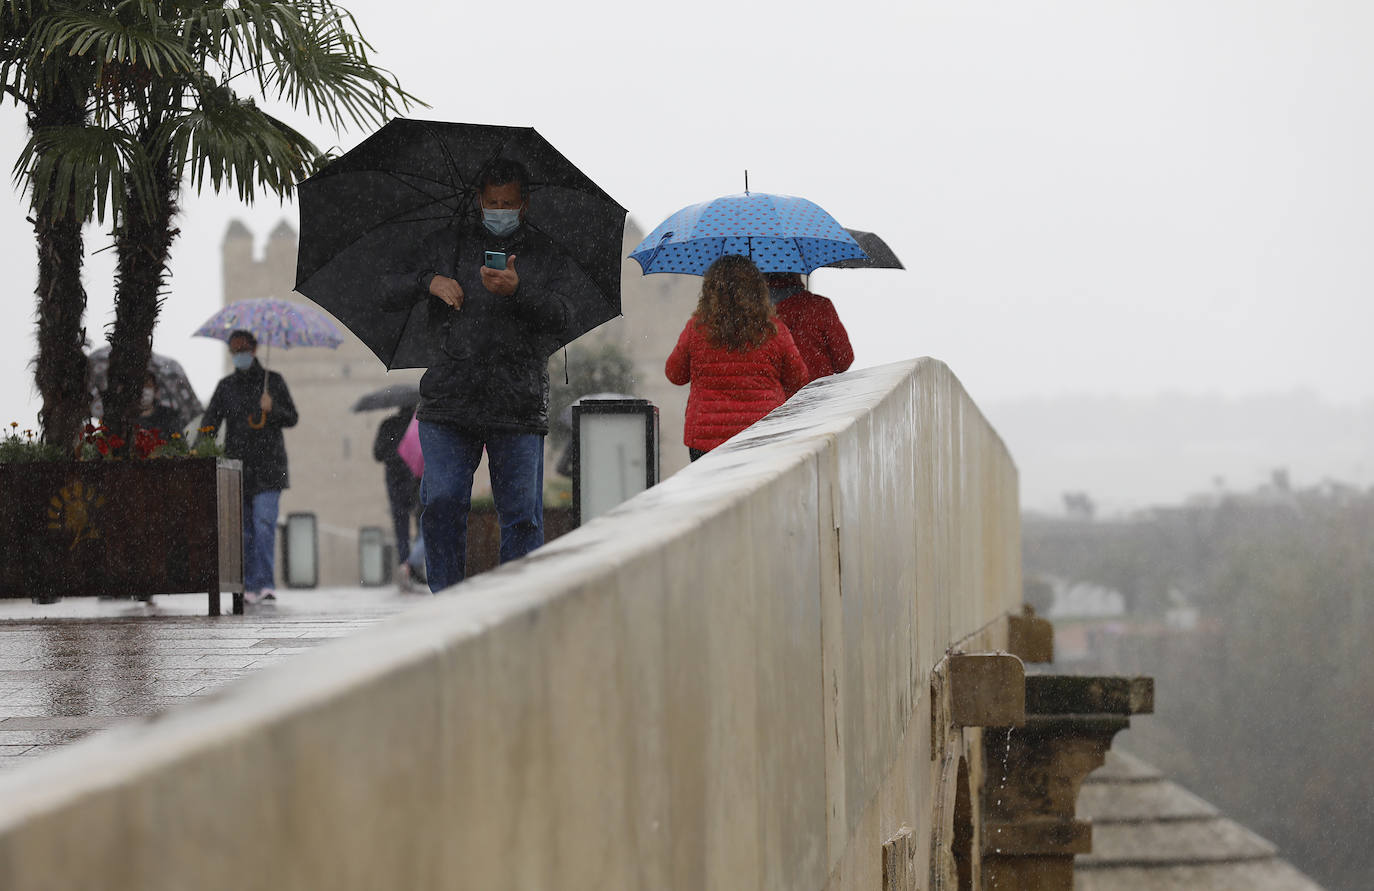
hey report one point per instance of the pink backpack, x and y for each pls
(409, 448)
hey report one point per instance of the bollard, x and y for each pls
(300, 550)
(372, 564)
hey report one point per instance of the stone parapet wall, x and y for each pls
(723, 683)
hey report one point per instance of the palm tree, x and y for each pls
(54, 94)
(164, 109)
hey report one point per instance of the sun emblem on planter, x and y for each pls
(72, 511)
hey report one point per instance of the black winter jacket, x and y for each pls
(262, 450)
(389, 434)
(488, 367)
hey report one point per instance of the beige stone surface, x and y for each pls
(1123, 767)
(722, 683)
(1179, 841)
(1150, 800)
(1264, 875)
(1149, 833)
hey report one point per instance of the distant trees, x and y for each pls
(600, 369)
(1266, 707)
(1079, 506)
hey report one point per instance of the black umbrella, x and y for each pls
(174, 389)
(411, 179)
(880, 256)
(393, 396)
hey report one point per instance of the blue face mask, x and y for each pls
(501, 221)
(242, 361)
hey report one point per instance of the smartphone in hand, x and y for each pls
(495, 260)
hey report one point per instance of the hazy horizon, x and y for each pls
(1100, 199)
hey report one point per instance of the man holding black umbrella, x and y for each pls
(474, 251)
(487, 385)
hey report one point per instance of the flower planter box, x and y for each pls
(484, 534)
(122, 528)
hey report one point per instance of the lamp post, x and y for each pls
(615, 453)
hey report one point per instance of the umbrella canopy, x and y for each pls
(880, 256)
(277, 323)
(780, 233)
(174, 388)
(363, 213)
(393, 396)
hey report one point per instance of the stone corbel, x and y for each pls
(1032, 774)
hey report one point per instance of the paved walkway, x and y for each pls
(72, 668)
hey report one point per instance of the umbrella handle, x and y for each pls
(262, 416)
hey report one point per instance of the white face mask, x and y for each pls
(501, 221)
(148, 394)
(242, 361)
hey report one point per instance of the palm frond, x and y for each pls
(144, 39)
(320, 65)
(233, 142)
(88, 170)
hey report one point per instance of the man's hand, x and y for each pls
(501, 282)
(447, 290)
(265, 403)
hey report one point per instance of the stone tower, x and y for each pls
(333, 473)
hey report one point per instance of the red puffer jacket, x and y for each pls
(731, 390)
(816, 329)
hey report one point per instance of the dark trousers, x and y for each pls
(516, 461)
(400, 494)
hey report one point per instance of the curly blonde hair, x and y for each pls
(734, 311)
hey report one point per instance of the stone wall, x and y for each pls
(723, 683)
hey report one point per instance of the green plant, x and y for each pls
(100, 444)
(16, 449)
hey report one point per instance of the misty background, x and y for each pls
(1097, 203)
(1137, 231)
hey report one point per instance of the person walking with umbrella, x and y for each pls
(473, 251)
(256, 406)
(401, 485)
(816, 327)
(487, 384)
(739, 359)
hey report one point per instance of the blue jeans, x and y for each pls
(451, 455)
(260, 539)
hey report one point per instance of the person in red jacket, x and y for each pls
(738, 357)
(815, 326)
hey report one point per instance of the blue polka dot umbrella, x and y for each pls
(780, 233)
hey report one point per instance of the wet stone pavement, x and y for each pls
(76, 667)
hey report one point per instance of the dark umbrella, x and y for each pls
(174, 389)
(413, 179)
(393, 396)
(880, 256)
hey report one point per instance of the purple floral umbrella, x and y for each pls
(276, 323)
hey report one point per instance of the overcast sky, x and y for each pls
(1090, 197)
